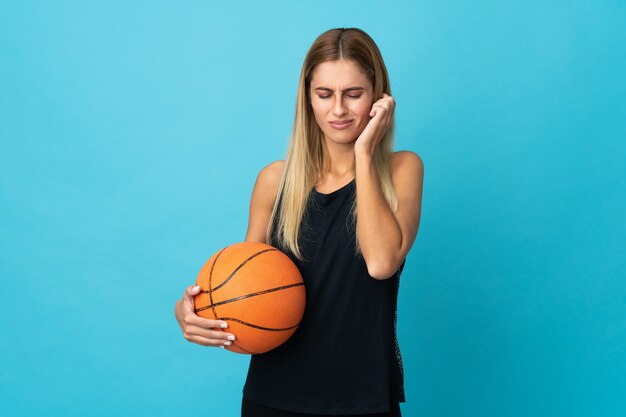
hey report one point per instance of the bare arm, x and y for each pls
(262, 201)
(386, 237)
(208, 332)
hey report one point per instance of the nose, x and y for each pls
(339, 108)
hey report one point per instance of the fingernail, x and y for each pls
(231, 337)
(228, 343)
(195, 288)
(221, 347)
(224, 325)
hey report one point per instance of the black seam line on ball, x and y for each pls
(246, 350)
(238, 268)
(210, 279)
(232, 300)
(273, 329)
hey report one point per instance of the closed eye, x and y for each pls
(351, 96)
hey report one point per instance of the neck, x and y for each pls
(339, 162)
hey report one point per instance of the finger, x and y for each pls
(383, 103)
(204, 341)
(388, 97)
(189, 295)
(194, 319)
(209, 334)
(377, 109)
(386, 104)
(191, 291)
(373, 111)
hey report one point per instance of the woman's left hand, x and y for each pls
(382, 117)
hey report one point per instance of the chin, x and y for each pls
(346, 139)
(343, 137)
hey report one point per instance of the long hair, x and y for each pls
(307, 156)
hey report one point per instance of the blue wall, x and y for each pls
(131, 135)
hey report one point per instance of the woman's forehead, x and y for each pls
(341, 73)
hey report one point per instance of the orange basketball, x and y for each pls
(257, 289)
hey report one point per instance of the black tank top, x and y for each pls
(344, 357)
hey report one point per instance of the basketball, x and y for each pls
(257, 289)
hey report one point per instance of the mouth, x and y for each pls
(341, 124)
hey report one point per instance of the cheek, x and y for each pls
(362, 109)
(319, 116)
(319, 109)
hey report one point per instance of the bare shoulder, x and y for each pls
(269, 177)
(407, 163)
(267, 182)
(262, 201)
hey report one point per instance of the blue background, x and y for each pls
(131, 135)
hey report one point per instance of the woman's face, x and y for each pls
(340, 92)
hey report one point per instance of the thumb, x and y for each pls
(190, 292)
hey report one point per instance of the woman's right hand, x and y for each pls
(197, 329)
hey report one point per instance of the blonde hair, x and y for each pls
(307, 160)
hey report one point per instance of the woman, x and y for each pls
(346, 209)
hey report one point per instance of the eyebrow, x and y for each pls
(343, 91)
